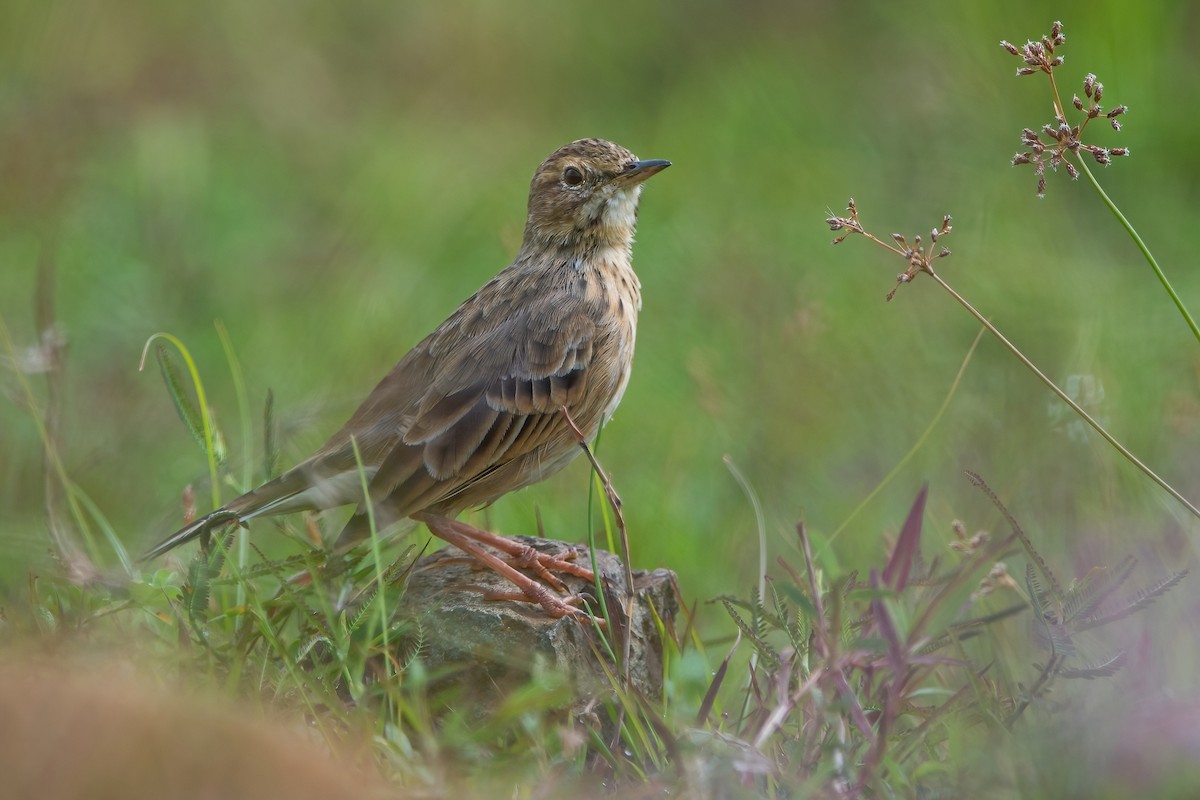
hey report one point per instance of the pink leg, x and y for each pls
(469, 538)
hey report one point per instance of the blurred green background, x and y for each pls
(330, 180)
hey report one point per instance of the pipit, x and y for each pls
(501, 394)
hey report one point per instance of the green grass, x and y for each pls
(329, 184)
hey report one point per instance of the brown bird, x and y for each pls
(499, 395)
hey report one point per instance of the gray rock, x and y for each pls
(482, 650)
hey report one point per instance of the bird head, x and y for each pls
(586, 193)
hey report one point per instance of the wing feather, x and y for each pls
(489, 391)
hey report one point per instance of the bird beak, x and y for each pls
(638, 171)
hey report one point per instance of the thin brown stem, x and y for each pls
(1086, 417)
(614, 500)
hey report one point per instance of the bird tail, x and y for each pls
(283, 494)
(189, 532)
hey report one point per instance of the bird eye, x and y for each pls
(572, 176)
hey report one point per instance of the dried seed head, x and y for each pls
(835, 223)
(900, 240)
(1056, 143)
(1119, 151)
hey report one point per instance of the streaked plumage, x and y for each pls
(473, 411)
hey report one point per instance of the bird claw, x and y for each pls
(544, 565)
(470, 540)
(554, 606)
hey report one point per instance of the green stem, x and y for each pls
(912, 451)
(239, 388)
(201, 400)
(72, 494)
(376, 555)
(1086, 417)
(759, 520)
(1133, 234)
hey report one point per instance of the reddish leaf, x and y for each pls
(895, 574)
(887, 630)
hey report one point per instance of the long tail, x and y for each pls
(277, 496)
(208, 522)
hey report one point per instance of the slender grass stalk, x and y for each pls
(377, 555)
(1062, 144)
(759, 521)
(614, 502)
(1052, 386)
(594, 486)
(917, 445)
(239, 390)
(1141, 245)
(920, 261)
(201, 400)
(308, 690)
(81, 497)
(760, 524)
(52, 455)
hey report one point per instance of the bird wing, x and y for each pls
(492, 398)
(484, 389)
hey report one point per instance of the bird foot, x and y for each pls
(469, 539)
(554, 606)
(544, 565)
